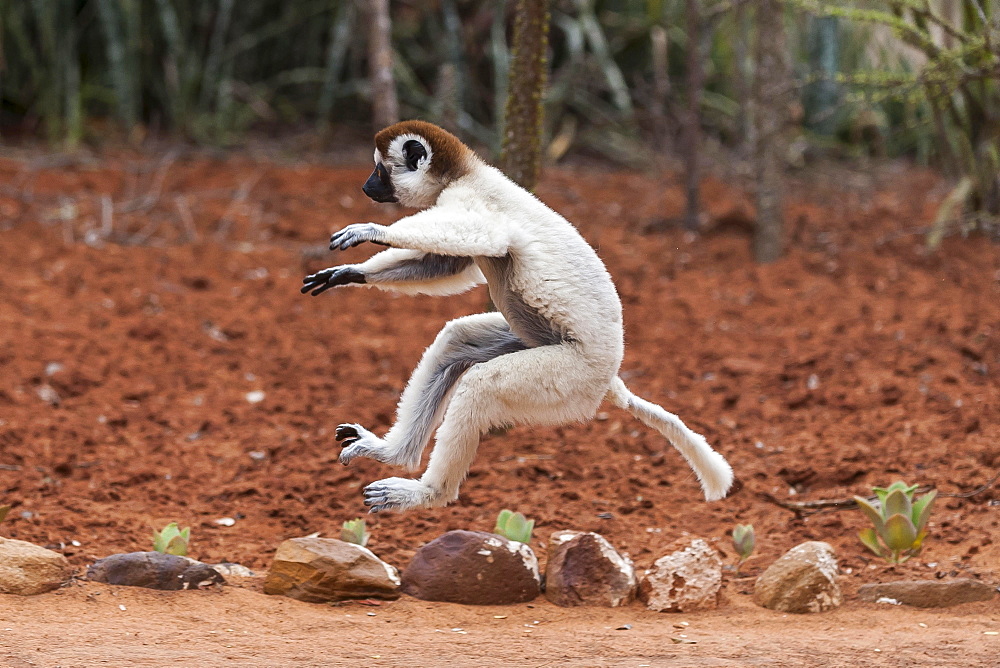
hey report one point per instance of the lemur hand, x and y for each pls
(322, 281)
(355, 234)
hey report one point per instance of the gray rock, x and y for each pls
(804, 579)
(321, 570)
(687, 579)
(153, 570)
(475, 568)
(929, 593)
(584, 569)
(27, 569)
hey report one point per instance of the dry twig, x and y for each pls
(806, 508)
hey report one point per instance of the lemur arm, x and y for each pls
(442, 230)
(402, 270)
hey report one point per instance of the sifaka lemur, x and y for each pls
(549, 355)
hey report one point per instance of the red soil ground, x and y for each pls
(125, 367)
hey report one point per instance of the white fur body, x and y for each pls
(550, 355)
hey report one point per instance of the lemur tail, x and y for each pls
(712, 469)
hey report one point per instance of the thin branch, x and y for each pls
(806, 508)
(225, 221)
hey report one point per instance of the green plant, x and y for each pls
(354, 531)
(744, 540)
(899, 521)
(172, 540)
(514, 526)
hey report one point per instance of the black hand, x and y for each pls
(322, 281)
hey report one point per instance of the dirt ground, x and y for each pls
(147, 300)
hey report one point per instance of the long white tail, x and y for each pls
(712, 469)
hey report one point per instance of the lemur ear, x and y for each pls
(413, 152)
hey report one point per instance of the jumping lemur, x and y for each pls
(549, 355)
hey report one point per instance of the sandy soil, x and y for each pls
(125, 370)
(85, 625)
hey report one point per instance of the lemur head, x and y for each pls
(414, 161)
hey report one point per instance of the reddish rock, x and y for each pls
(684, 580)
(584, 569)
(475, 568)
(929, 593)
(321, 570)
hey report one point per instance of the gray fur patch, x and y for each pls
(470, 346)
(427, 267)
(530, 326)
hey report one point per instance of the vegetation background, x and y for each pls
(639, 82)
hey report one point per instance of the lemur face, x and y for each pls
(401, 175)
(414, 162)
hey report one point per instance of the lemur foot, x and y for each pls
(397, 494)
(359, 442)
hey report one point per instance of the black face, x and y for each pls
(378, 186)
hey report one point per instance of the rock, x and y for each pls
(153, 570)
(228, 568)
(27, 569)
(929, 593)
(584, 569)
(320, 570)
(473, 567)
(804, 579)
(687, 579)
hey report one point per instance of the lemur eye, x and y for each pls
(413, 152)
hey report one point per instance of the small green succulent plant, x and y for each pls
(898, 520)
(514, 526)
(744, 541)
(354, 531)
(172, 540)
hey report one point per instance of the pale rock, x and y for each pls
(803, 580)
(473, 567)
(321, 570)
(228, 568)
(687, 579)
(27, 569)
(584, 569)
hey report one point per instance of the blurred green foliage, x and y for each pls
(172, 540)
(902, 77)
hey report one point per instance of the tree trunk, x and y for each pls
(822, 96)
(741, 81)
(771, 93)
(692, 121)
(385, 106)
(661, 88)
(521, 154)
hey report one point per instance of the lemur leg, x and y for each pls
(545, 385)
(462, 343)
